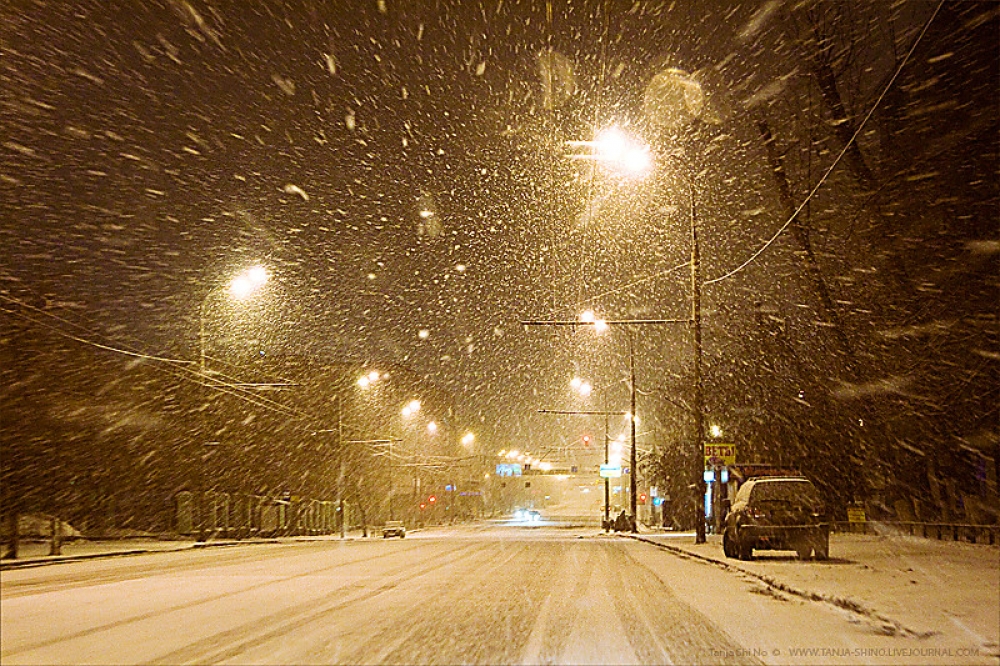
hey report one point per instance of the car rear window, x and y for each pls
(785, 491)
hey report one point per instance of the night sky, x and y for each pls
(153, 150)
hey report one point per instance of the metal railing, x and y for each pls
(988, 534)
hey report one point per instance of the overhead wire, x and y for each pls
(182, 369)
(840, 156)
(177, 367)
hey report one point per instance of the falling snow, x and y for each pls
(420, 178)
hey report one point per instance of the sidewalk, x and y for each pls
(36, 553)
(906, 586)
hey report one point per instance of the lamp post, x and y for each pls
(699, 398)
(588, 319)
(240, 287)
(629, 159)
(585, 389)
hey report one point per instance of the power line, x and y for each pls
(840, 156)
(176, 367)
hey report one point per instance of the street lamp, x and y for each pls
(240, 288)
(365, 381)
(699, 399)
(616, 151)
(588, 319)
(584, 388)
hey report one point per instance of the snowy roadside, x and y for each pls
(945, 594)
(35, 553)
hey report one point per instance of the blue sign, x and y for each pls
(657, 501)
(611, 471)
(508, 469)
(449, 488)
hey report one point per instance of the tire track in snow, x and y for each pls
(186, 568)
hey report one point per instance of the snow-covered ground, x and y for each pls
(944, 594)
(878, 600)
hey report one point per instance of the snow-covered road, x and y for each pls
(485, 594)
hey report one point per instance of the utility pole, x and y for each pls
(699, 398)
(605, 413)
(341, 454)
(607, 461)
(631, 352)
(633, 461)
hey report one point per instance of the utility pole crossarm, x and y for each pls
(609, 322)
(584, 413)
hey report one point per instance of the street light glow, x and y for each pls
(366, 381)
(248, 282)
(715, 430)
(622, 154)
(432, 427)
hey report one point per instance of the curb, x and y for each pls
(886, 625)
(61, 559)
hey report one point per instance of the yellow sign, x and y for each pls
(855, 514)
(720, 455)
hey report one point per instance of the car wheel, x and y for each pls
(822, 548)
(727, 544)
(744, 549)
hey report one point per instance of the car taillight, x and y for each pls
(758, 512)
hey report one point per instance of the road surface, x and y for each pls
(492, 593)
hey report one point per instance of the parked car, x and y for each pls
(777, 513)
(394, 528)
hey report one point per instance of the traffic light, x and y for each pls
(422, 506)
(642, 498)
(432, 499)
(586, 441)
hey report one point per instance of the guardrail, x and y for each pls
(942, 531)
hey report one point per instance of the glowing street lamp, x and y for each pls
(240, 288)
(247, 282)
(581, 386)
(617, 152)
(365, 381)
(467, 439)
(588, 317)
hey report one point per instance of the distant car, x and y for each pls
(394, 528)
(777, 513)
(527, 515)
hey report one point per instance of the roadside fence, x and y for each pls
(986, 534)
